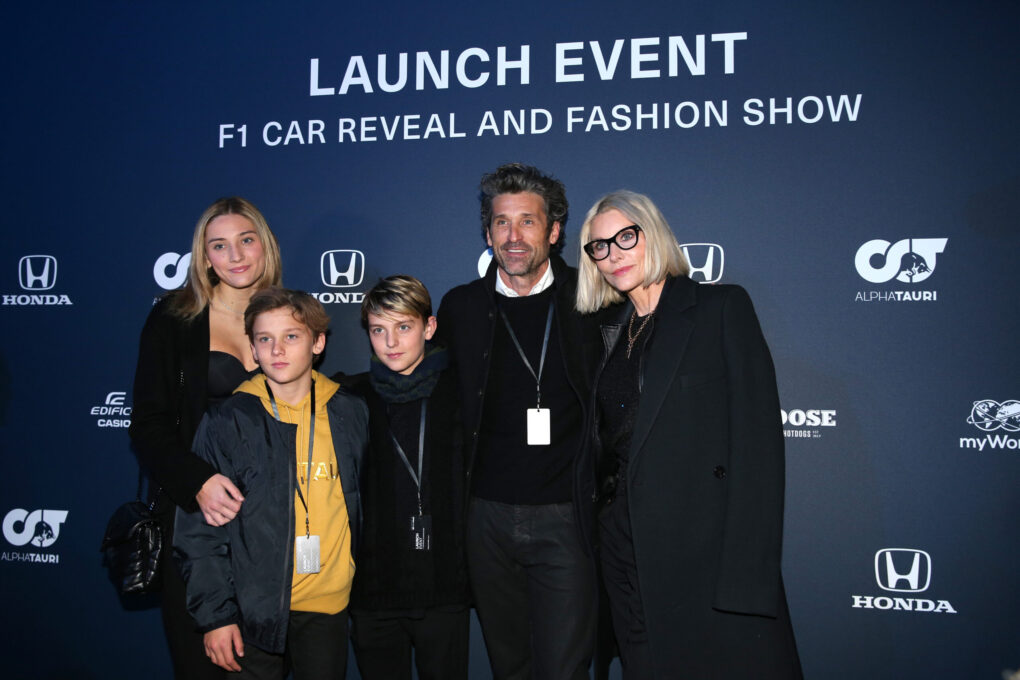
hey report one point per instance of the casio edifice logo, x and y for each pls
(113, 412)
(807, 423)
(37, 275)
(341, 269)
(706, 261)
(908, 261)
(36, 529)
(904, 572)
(998, 421)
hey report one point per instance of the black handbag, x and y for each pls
(132, 546)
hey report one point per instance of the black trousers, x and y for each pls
(438, 636)
(316, 650)
(187, 649)
(619, 574)
(534, 590)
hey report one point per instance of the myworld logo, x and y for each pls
(997, 420)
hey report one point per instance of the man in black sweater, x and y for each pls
(521, 357)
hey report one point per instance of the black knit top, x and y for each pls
(619, 393)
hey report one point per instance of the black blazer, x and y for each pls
(467, 322)
(705, 485)
(169, 399)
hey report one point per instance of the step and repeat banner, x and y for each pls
(854, 167)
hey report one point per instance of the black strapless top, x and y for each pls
(226, 372)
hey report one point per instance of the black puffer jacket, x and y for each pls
(242, 572)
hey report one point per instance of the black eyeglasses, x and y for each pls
(625, 239)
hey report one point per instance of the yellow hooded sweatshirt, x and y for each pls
(329, 591)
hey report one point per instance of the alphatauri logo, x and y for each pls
(911, 260)
(40, 528)
(171, 270)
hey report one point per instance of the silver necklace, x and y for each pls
(225, 305)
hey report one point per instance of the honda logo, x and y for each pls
(903, 570)
(706, 260)
(37, 272)
(342, 268)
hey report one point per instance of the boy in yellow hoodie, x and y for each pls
(270, 589)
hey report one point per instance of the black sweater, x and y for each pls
(391, 575)
(507, 469)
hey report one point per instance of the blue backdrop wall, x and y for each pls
(801, 149)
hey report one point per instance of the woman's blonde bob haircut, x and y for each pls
(197, 292)
(662, 253)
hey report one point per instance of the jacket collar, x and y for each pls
(559, 270)
(664, 352)
(678, 293)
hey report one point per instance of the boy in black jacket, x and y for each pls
(270, 589)
(410, 591)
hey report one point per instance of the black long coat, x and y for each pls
(705, 486)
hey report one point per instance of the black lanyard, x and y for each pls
(524, 358)
(311, 442)
(421, 452)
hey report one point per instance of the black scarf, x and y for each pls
(396, 388)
